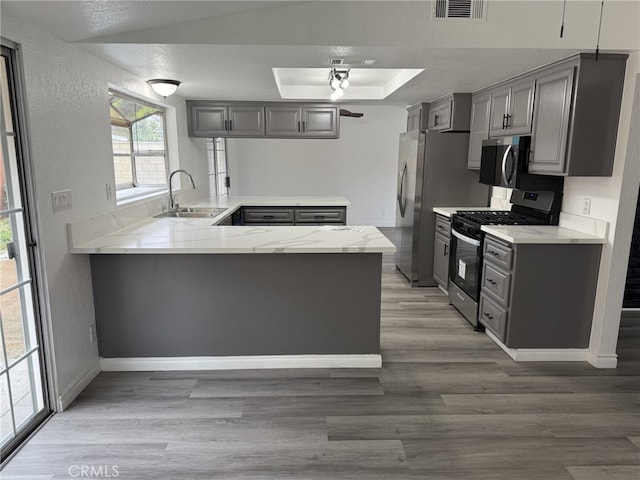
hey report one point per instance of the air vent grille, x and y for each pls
(352, 61)
(459, 9)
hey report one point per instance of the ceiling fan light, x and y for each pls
(334, 83)
(164, 87)
(345, 82)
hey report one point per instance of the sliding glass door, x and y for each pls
(22, 385)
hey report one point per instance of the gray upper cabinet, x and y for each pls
(255, 120)
(320, 122)
(211, 119)
(246, 121)
(479, 128)
(290, 121)
(207, 120)
(577, 109)
(512, 108)
(283, 121)
(451, 113)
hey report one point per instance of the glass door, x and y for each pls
(22, 386)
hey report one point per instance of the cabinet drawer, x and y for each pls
(268, 215)
(443, 226)
(496, 282)
(320, 215)
(497, 253)
(492, 316)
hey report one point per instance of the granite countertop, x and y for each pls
(541, 234)
(203, 235)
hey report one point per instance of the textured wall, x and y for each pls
(70, 140)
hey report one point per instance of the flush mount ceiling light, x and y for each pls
(338, 81)
(164, 87)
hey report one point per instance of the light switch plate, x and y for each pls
(61, 200)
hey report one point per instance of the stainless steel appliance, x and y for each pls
(465, 261)
(505, 163)
(432, 172)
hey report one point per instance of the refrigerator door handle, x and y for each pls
(401, 198)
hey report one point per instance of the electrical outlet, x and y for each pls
(61, 200)
(93, 336)
(586, 206)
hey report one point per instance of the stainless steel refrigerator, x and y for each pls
(432, 172)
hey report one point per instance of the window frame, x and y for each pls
(214, 176)
(135, 189)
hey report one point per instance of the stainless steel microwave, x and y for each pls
(505, 163)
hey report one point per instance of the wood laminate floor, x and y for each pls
(447, 404)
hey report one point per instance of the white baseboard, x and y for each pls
(250, 362)
(542, 354)
(603, 361)
(70, 395)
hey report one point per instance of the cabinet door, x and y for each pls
(441, 260)
(499, 109)
(246, 121)
(551, 119)
(283, 121)
(208, 121)
(479, 130)
(320, 122)
(413, 119)
(521, 107)
(443, 116)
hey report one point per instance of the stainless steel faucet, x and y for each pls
(172, 203)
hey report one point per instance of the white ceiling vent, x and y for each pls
(470, 10)
(352, 61)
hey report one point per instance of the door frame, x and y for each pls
(36, 263)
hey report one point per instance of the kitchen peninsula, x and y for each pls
(187, 293)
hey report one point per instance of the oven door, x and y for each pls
(465, 263)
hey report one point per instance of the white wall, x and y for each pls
(361, 165)
(70, 140)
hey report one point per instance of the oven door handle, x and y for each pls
(464, 238)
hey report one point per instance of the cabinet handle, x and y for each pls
(446, 249)
(492, 282)
(304, 126)
(298, 126)
(436, 119)
(230, 125)
(491, 252)
(490, 317)
(318, 216)
(504, 121)
(226, 124)
(508, 118)
(268, 217)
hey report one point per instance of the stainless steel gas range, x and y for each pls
(465, 261)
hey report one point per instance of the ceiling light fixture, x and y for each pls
(338, 81)
(164, 87)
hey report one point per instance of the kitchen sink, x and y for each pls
(193, 212)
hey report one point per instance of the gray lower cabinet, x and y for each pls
(291, 121)
(538, 295)
(441, 251)
(294, 216)
(479, 127)
(211, 119)
(576, 114)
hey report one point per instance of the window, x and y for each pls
(217, 161)
(139, 146)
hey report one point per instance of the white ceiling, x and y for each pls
(228, 50)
